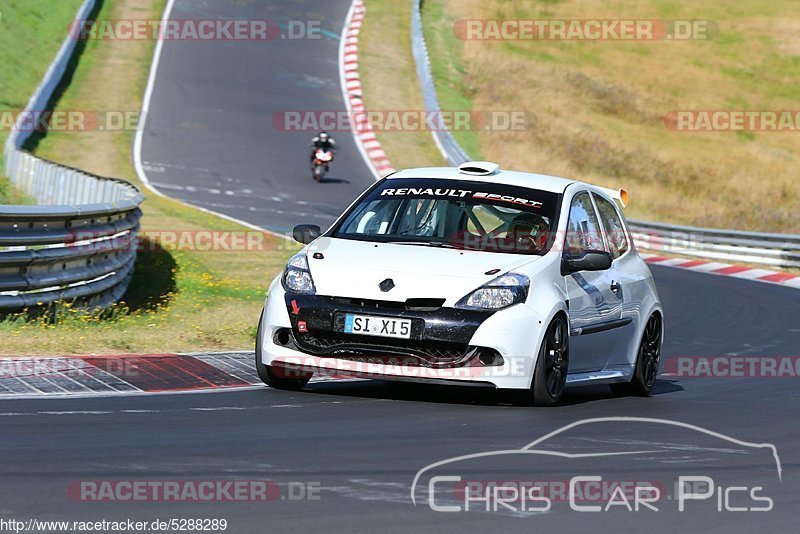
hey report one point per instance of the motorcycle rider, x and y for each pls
(323, 141)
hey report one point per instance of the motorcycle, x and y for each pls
(321, 163)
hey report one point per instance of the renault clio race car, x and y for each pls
(470, 275)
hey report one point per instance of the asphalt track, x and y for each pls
(211, 138)
(363, 442)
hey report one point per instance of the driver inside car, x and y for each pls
(528, 232)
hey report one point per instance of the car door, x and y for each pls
(629, 279)
(595, 307)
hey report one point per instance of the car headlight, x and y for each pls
(502, 292)
(297, 276)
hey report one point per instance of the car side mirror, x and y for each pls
(593, 260)
(306, 233)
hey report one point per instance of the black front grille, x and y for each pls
(418, 304)
(388, 351)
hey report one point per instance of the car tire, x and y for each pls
(552, 365)
(648, 358)
(271, 375)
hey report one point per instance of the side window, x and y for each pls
(583, 229)
(615, 231)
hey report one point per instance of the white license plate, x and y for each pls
(371, 325)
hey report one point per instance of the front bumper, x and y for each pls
(439, 336)
(495, 348)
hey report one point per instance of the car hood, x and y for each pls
(355, 269)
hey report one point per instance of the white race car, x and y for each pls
(470, 275)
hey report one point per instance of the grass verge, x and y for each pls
(389, 80)
(24, 60)
(454, 88)
(180, 299)
(11, 195)
(31, 32)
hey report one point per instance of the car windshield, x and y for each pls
(454, 213)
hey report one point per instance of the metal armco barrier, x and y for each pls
(79, 241)
(779, 250)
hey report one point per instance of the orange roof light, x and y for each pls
(620, 195)
(623, 197)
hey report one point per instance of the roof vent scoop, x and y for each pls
(479, 168)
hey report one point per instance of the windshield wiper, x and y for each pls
(440, 244)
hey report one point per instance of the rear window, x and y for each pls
(454, 213)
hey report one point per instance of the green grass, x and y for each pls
(11, 195)
(454, 84)
(31, 32)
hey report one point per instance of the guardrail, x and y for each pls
(779, 250)
(79, 241)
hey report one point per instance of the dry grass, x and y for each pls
(600, 105)
(390, 82)
(179, 300)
